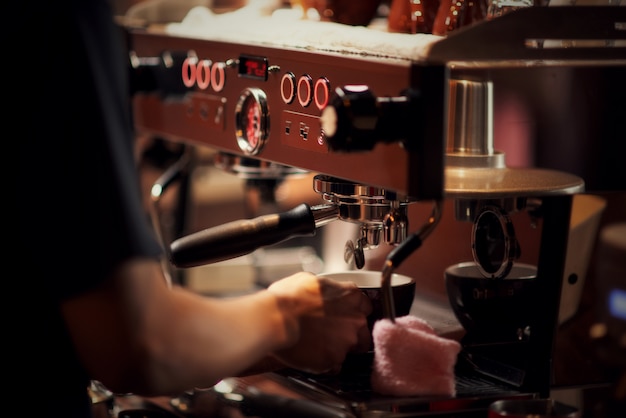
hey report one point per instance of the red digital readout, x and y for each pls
(253, 67)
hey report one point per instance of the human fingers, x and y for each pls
(364, 339)
(321, 348)
(344, 298)
(365, 304)
(300, 286)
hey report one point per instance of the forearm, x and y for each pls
(240, 332)
(137, 335)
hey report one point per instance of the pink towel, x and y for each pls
(410, 359)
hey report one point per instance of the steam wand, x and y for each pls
(401, 252)
(173, 174)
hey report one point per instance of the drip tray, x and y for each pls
(350, 390)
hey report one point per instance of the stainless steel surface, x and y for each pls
(487, 183)
(470, 120)
(379, 213)
(513, 41)
(474, 169)
(375, 209)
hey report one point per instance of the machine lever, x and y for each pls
(237, 238)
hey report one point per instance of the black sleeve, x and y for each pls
(80, 202)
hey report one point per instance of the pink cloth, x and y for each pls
(410, 359)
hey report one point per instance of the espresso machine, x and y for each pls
(384, 131)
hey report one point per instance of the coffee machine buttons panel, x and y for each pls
(208, 110)
(302, 131)
(306, 91)
(203, 73)
(252, 121)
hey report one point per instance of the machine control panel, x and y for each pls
(267, 102)
(203, 73)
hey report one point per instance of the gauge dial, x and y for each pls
(494, 245)
(252, 120)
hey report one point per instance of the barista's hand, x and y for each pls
(326, 320)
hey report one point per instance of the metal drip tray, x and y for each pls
(350, 390)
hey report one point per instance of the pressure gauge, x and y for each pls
(252, 120)
(494, 245)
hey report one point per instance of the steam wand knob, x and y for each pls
(356, 120)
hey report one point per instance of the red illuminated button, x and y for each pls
(288, 87)
(203, 74)
(189, 71)
(218, 76)
(322, 92)
(305, 90)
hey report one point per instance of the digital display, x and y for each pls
(253, 67)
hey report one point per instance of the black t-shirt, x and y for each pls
(79, 202)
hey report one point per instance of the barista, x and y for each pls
(93, 302)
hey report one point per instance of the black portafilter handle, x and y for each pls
(356, 120)
(241, 237)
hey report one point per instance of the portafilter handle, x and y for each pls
(241, 237)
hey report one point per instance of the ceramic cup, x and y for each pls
(402, 289)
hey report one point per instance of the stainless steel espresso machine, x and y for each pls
(385, 131)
